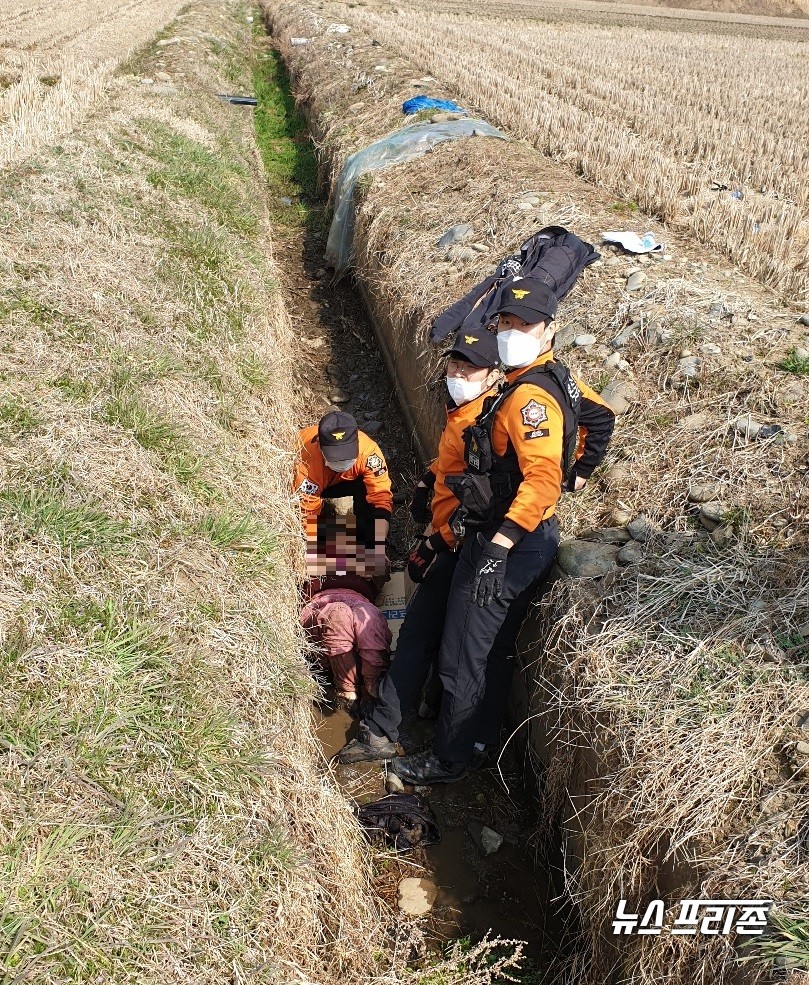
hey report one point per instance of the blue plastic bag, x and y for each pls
(418, 103)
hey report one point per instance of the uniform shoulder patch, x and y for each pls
(375, 462)
(533, 413)
(308, 488)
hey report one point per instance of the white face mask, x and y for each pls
(343, 466)
(517, 348)
(462, 391)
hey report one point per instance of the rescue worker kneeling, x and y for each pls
(520, 448)
(471, 375)
(342, 622)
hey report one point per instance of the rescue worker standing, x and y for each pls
(471, 374)
(337, 459)
(509, 492)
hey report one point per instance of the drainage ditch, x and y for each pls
(512, 892)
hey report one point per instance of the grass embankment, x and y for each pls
(162, 817)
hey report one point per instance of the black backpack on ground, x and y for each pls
(405, 819)
(553, 255)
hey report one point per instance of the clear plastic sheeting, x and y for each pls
(402, 145)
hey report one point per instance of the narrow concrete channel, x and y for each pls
(511, 892)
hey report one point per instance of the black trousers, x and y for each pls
(418, 648)
(470, 632)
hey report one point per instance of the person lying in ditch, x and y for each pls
(337, 460)
(545, 430)
(348, 634)
(471, 375)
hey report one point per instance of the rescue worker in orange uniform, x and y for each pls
(337, 459)
(471, 374)
(517, 455)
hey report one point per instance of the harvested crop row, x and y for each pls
(57, 61)
(662, 702)
(602, 103)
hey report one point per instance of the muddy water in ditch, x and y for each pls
(509, 892)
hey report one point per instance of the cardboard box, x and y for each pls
(391, 602)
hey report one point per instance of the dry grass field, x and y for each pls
(57, 60)
(654, 117)
(663, 704)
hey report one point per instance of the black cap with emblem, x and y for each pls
(337, 434)
(527, 298)
(478, 348)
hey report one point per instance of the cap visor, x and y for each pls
(340, 453)
(529, 315)
(470, 357)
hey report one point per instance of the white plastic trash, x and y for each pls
(634, 243)
(297, 42)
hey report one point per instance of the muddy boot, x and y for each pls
(367, 748)
(426, 767)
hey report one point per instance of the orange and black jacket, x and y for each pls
(451, 460)
(313, 476)
(531, 422)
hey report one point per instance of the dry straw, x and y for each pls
(664, 700)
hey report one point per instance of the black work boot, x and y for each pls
(426, 767)
(366, 748)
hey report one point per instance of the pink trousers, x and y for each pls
(346, 627)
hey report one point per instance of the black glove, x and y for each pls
(490, 574)
(423, 555)
(420, 505)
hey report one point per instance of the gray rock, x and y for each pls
(688, 367)
(801, 353)
(746, 426)
(703, 492)
(523, 206)
(769, 431)
(479, 247)
(635, 281)
(339, 396)
(583, 559)
(461, 254)
(695, 422)
(564, 337)
(722, 536)
(486, 839)
(625, 336)
(285, 200)
(607, 535)
(641, 528)
(455, 234)
(802, 747)
(372, 428)
(620, 517)
(584, 340)
(710, 349)
(804, 320)
(631, 553)
(619, 394)
(711, 514)
(164, 90)
(617, 477)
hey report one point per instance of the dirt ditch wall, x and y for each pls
(660, 692)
